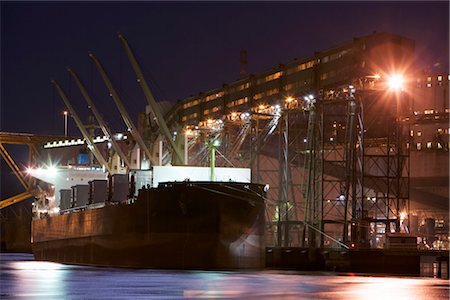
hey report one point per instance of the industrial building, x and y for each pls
(397, 171)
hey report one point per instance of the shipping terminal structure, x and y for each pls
(353, 142)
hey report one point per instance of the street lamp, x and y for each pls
(65, 123)
(395, 82)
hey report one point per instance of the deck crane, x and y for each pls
(80, 126)
(151, 100)
(98, 116)
(126, 118)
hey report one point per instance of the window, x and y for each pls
(429, 78)
(273, 76)
(429, 85)
(191, 116)
(258, 96)
(237, 102)
(419, 133)
(216, 108)
(190, 104)
(439, 130)
(411, 133)
(439, 78)
(428, 111)
(419, 146)
(214, 96)
(243, 86)
(272, 92)
(429, 145)
(439, 146)
(289, 86)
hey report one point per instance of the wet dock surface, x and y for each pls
(23, 278)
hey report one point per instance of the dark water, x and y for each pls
(23, 278)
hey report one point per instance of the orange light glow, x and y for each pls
(289, 99)
(396, 82)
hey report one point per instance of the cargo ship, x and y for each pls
(174, 219)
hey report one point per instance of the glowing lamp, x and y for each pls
(395, 82)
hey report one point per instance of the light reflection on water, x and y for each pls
(23, 278)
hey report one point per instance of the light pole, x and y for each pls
(65, 123)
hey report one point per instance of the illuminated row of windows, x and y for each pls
(237, 102)
(272, 92)
(243, 86)
(430, 111)
(438, 78)
(439, 130)
(334, 56)
(214, 96)
(269, 77)
(212, 110)
(301, 67)
(430, 79)
(430, 145)
(189, 117)
(191, 103)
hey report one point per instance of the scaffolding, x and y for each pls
(337, 164)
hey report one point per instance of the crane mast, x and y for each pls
(106, 131)
(125, 117)
(150, 99)
(80, 126)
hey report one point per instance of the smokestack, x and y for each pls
(243, 64)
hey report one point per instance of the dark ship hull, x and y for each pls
(185, 225)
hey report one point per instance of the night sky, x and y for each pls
(183, 48)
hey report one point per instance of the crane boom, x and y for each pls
(80, 126)
(125, 117)
(150, 99)
(98, 116)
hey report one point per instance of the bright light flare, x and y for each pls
(403, 215)
(289, 99)
(396, 82)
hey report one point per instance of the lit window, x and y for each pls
(429, 85)
(448, 77)
(439, 130)
(214, 96)
(439, 145)
(429, 79)
(429, 145)
(419, 133)
(273, 76)
(412, 133)
(272, 92)
(439, 78)
(288, 87)
(258, 96)
(428, 111)
(419, 146)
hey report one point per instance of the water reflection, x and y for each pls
(42, 280)
(37, 279)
